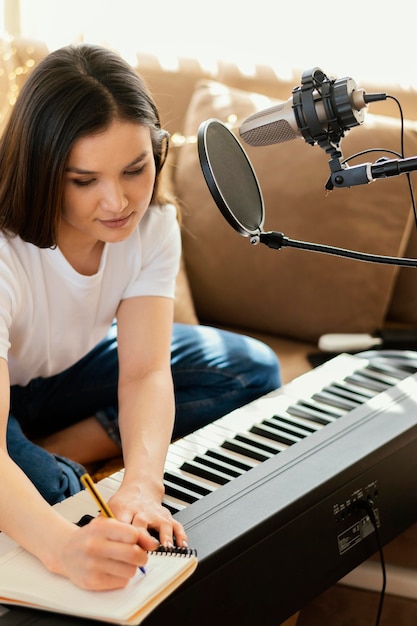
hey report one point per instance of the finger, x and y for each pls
(114, 529)
(107, 575)
(146, 540)
(123, 559)
(180, 535)
(166, 534)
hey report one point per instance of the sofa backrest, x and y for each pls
(289, 292)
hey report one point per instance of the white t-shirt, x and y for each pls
(51, 316)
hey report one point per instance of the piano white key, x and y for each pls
(112, 482)
(336, 369)
(244, 417)
(212, 435)
(74, 507)
(344, 376)
(187, 447)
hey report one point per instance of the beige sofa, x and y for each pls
(289, 297)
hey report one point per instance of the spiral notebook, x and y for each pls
(24, 581)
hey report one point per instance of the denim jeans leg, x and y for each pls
(215, 372)
(55, 478)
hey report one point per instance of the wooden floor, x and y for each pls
(346, 606)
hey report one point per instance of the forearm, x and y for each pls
(24, 515)
(146, 417)
(29, 519)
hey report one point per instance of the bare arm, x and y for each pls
(103, 555)
(146, 413)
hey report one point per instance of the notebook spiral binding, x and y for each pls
(174, 551)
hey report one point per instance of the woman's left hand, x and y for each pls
(143, 509)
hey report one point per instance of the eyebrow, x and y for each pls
(79, 170)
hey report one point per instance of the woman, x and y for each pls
(89, 251)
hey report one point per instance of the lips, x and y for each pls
(116, 223)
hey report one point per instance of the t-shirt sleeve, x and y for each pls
(8, 288)
(160, 244)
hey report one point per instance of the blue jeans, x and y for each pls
(214, 372)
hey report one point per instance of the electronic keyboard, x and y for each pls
(275, 496)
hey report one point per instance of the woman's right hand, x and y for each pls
(105, 554)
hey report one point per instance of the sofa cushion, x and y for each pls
(304, 294)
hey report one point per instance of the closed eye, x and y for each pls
(136, 172)
(80, 182)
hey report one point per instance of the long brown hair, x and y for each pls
(73, 92)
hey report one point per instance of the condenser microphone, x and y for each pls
(320, 110)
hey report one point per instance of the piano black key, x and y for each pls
(188, 482)
(173, 503)
(287, 427)
(367, 382)
(347, 392)
(172, 509)
(335, 400)
(316, 416)
(217, 464)
(375, 374)
(246, 450)
(221, 455)
(327, 409)
(181, 492)
(400, 373)
(359, 391)
(293, 420)
(275, 434)
(222, 451)
(259, 442)
(204, 471)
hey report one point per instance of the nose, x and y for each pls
(114, 198)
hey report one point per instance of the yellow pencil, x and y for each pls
(91, 487)
(89, 484)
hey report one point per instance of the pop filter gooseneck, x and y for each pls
(234, 187)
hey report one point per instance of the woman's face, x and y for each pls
(109, 184)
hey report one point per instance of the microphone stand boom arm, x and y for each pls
(349, 176)
(277, 240)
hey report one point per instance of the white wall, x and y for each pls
(367, 40)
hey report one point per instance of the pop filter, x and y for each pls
(234, 187)
(230, 178)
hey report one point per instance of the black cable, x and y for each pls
(368, 507)
(400, 154)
